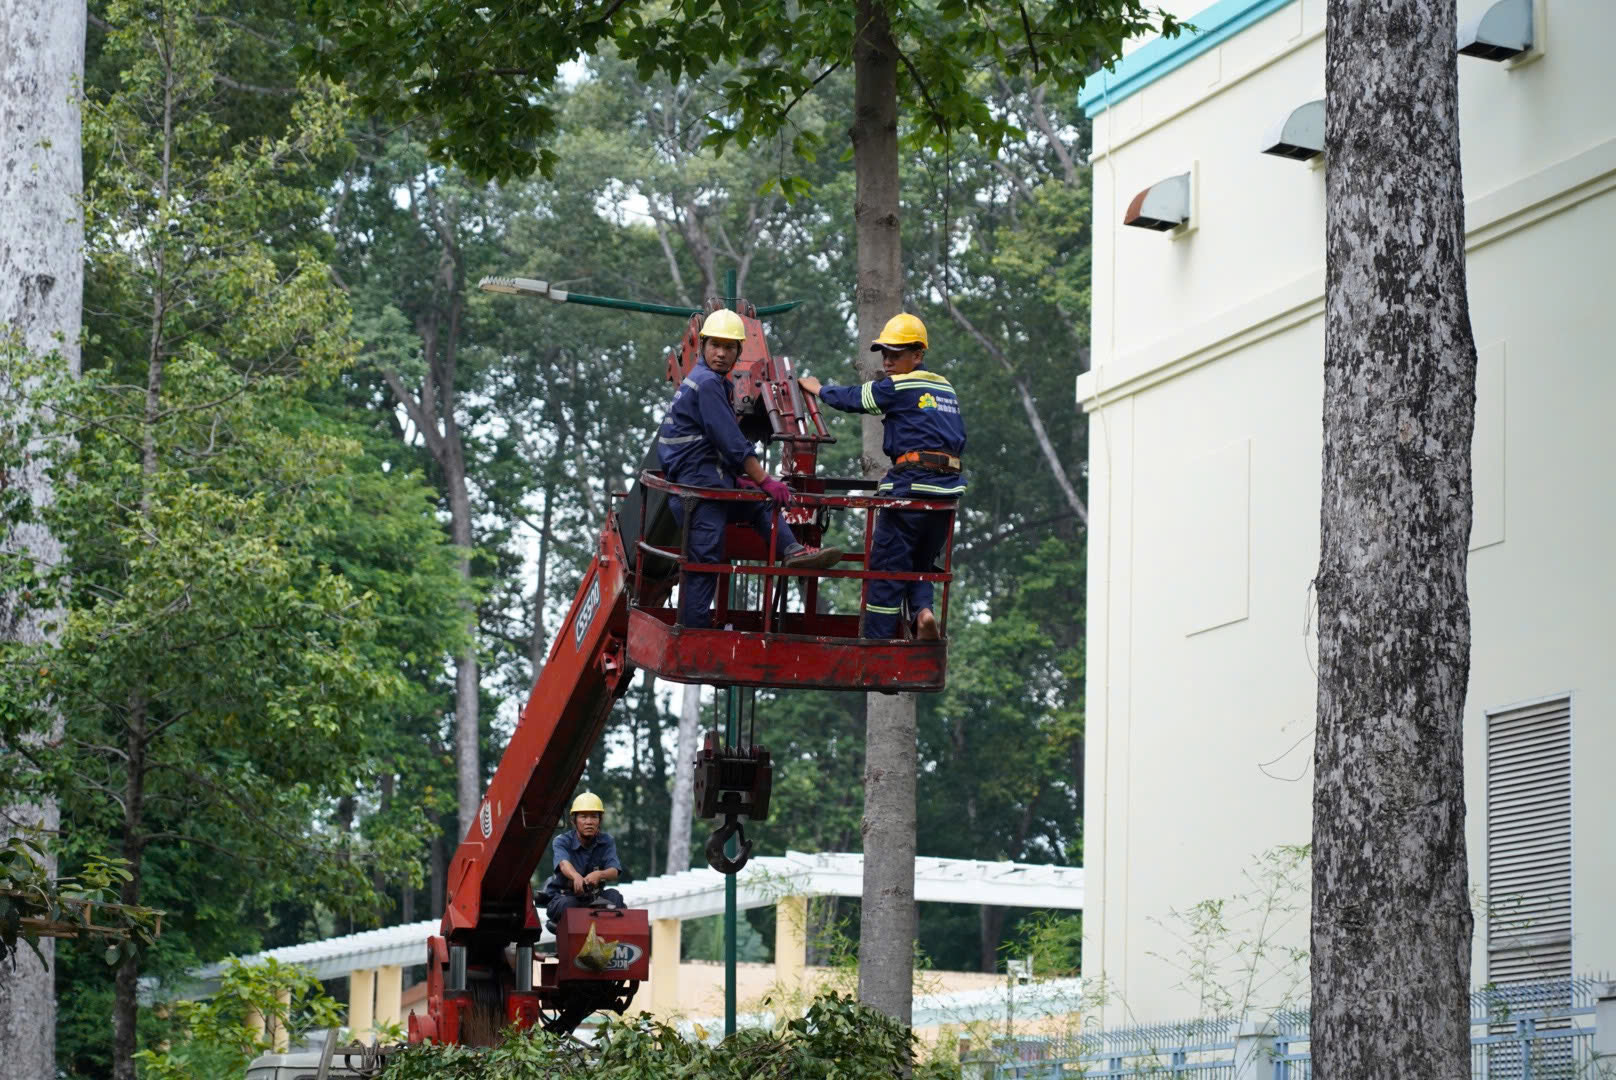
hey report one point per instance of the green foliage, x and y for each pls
(217, 1037)
(486, 78)
(253, 595)
(1052, 940)
(556, 404)
(1239, 954)
(703, 939)
(1006, 734)
(34, 903)
(837, 1039)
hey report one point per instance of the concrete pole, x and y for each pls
(255, 1024)
(665, 942)
(389, 995)
(791, 943)
(283, 1029)
(1254, 1051)
(732, 737)
(361, 1007)
(1605, 1029)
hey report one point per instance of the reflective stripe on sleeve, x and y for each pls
(922, 376)
(867, 399)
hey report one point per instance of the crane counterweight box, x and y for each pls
(625, 931)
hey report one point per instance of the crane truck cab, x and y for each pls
(297, 1065)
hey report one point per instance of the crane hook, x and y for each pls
(716, 858)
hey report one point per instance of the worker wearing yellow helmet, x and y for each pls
(700, 445)
(585, 859)
(923, 432)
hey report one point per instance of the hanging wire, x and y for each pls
(719, 737)
(751, 734)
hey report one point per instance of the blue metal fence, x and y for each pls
(1535, 1031)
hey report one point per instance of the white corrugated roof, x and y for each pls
(693, 894)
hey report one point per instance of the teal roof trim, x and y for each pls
(1156, 58)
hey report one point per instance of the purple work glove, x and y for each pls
(745, 482)
(776, 490)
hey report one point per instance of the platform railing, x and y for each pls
(841, 494)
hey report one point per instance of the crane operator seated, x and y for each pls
(700, 445)
(585, 859)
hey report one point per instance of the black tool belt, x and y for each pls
(935, 460)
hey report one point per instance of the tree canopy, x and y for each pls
(277, 576)
(488, 76)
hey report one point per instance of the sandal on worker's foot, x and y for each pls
(803, 557)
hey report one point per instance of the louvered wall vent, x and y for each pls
(1529, 843)
(1162, 206)
(1300, 136)
(1502, 32)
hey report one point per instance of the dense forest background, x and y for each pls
(327, 497)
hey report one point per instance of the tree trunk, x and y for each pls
(887, 924)
(432, 410)
(990, 928)
(437, 867)
(41, 299)
(657, 776)
(538, 641)
(684, 779)
(468, 770)
(1392, 921)
(378, 880)
(125, 1004)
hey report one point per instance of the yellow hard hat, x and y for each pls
(587, 802)
(724, 323)
(901, 332)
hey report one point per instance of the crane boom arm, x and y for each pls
(585, 672)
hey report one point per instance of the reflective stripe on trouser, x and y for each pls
(903, 540)
(707, 541)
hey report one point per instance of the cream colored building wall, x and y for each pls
(1204, 475)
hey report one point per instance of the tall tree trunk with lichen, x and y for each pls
(41, 306)
(1392, 921)
(684, 779)
(887, 922)
(433, 409)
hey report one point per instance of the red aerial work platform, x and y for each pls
(622, 618)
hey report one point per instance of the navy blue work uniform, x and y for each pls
(701, 445)
(921, 413)
(599, 855)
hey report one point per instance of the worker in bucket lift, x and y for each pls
(701, 445)
(585, 860)
(924, 435)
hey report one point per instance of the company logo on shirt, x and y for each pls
(927, 401)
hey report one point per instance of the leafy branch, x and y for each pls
(33, 905)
